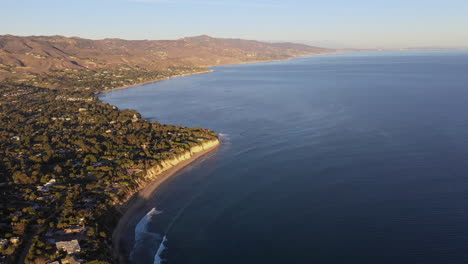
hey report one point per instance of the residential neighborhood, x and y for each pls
(67, 161)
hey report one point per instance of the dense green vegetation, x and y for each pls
(67, 159)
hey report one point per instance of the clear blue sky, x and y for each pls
(344, 23)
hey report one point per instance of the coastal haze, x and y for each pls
(341, 158)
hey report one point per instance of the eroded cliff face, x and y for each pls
(156, 171)
(134, 199)
(168, 164)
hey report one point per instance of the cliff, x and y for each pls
(136, 201)
(163, 171)
(168, 164)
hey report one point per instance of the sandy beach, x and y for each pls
(140, 203)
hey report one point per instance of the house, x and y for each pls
(3, 243)
(15, 240)
(133, 171)
(135, 118)
(46, 187)
(61, 151)
(70, 247)
(74, 229)
(77, 164)
(102, 163)
(144, 145)
(89, 200)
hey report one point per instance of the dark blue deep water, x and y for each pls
(342, 158)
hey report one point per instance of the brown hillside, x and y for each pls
(27, 57)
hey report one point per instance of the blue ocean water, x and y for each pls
(343, 158)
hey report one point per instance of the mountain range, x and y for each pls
(30, 56)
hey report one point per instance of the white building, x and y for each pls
(46, 187)
(70, 247)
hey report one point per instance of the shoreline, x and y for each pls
(153, 81)
(279, 60)
(138, 200)
(211, 70)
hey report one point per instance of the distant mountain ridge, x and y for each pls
(30, 56)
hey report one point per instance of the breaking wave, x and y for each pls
(162, 247)
(225, 138)
(143, 236)
(142, 226)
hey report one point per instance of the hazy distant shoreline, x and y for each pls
(156, 80)
(209, 70)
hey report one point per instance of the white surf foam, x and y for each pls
(142, 233)
(142, 226)
(225, 138)
(157, 258)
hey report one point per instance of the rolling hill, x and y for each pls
(28, 57)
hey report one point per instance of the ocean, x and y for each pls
(357, 157)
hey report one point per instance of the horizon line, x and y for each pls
(304, 42)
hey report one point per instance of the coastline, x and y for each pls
(211, 70)
(138, 200)
(278, 60)
(157, 80)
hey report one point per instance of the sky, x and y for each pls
(328, 23)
